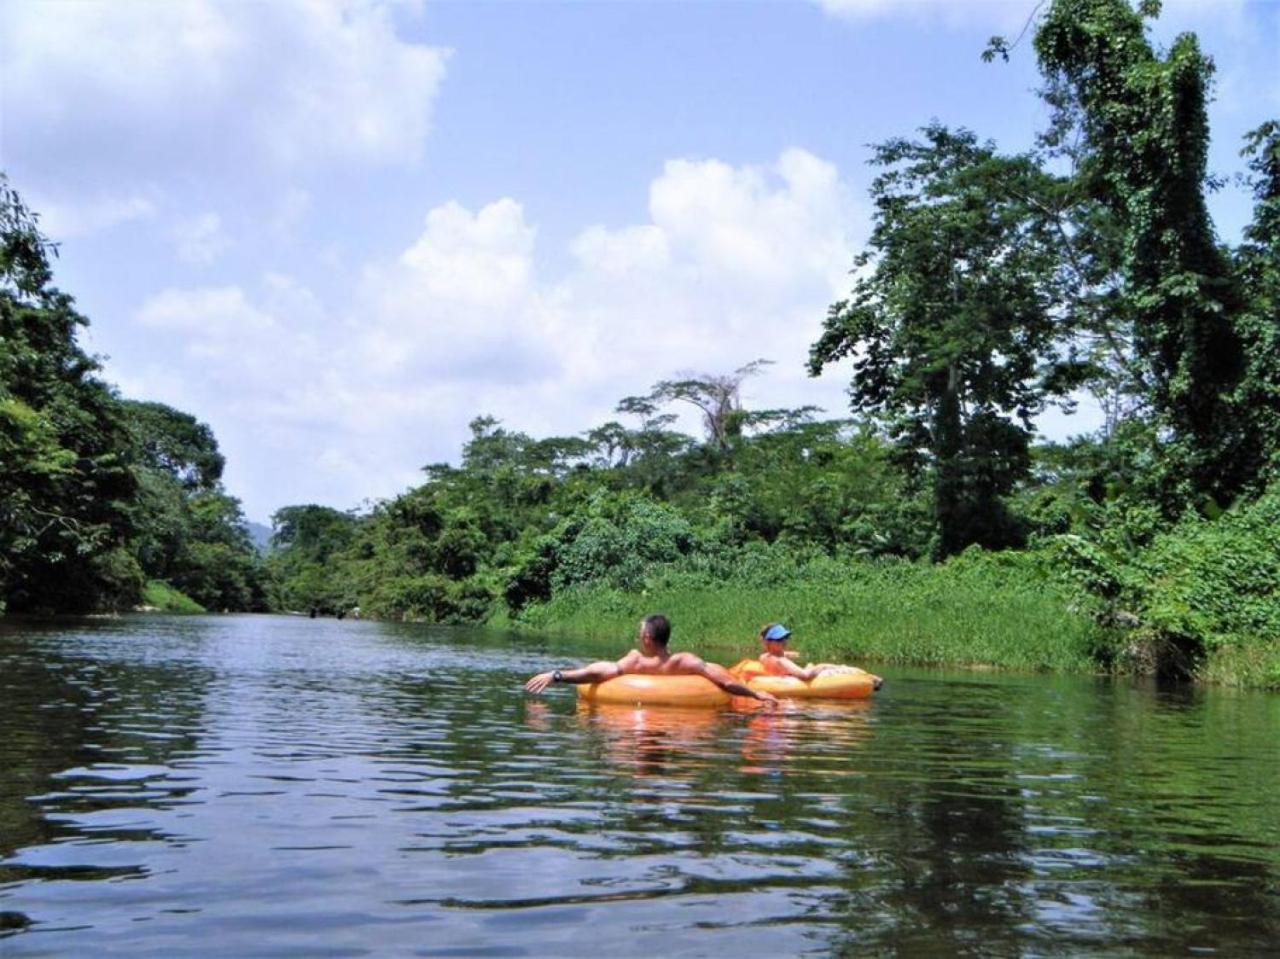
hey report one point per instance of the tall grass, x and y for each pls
(1002, 610)
(165, 599)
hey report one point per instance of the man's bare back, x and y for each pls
(651, 659)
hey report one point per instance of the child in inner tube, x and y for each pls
(777, 660)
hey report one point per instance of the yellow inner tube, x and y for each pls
(655, 690)
(851, 684)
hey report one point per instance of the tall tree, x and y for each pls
(951, 325)
(187, 530)
(1135, 125)
(718, 396)
(176, 443)
(1258, 260)
(65, 482)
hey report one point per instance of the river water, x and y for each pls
(275, 786)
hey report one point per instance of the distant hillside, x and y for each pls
(261, 536)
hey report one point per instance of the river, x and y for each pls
(275, 786)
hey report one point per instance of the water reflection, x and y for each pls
(652, 741)
(92, 747)
(326, 787)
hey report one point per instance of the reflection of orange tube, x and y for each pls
(687, 723)
(766, 743)
(656, 740)
(649, 690)
(537, 715)
(836, 726)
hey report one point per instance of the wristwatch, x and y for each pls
(557, 677)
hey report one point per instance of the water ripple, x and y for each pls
(273, 786)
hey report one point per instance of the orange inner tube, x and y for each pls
(853, 684)
(655, 690)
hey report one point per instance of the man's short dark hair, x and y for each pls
(658, 628)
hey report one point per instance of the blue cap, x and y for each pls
(777, 631)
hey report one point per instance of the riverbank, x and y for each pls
(989, 610)
(1007, 611)
(161, 597)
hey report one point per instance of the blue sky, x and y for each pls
(338, 231)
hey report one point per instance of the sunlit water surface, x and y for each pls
(275, 786)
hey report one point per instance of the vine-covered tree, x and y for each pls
(1258, 262)
(1135, 125)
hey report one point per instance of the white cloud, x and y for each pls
(857, 8)
(1001, 14)
(734, 262)
(481, 259)
(210, 313)
(627, 250)
(760, 226)
(200, 239)
(460, 303)
(145, 89)
(63, 220)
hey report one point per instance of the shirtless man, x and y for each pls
(653, 658)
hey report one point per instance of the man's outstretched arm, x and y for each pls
(595, 673)
(724, 679)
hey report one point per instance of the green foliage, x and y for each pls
(979, 608)
(304, 543)
(175, 443)
(163, 598)
(187, 530)
(954, 344)
(522, 518)
(1135, 126)
(1258, 261)
(620, 540)
(1203, 587)
(97, 494)
(65, 482)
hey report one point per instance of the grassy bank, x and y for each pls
(163, 598)
(991, 610)
(1203, 597)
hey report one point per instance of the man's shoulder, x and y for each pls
(686, 661)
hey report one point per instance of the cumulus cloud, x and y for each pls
(96, 94)
(733, 262)
(460, 302)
